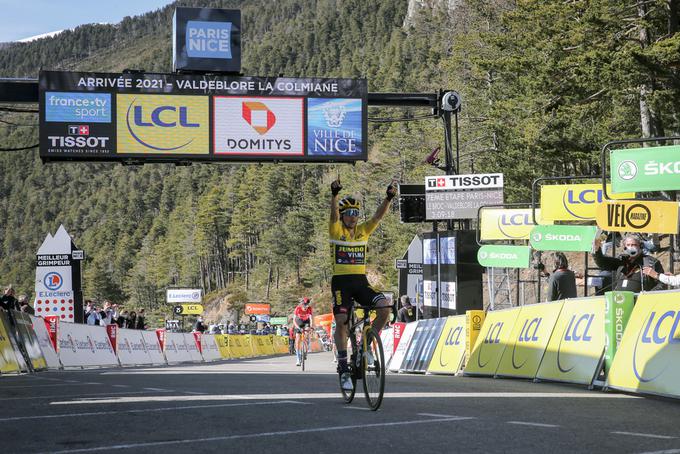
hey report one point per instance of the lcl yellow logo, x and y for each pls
(162, 124)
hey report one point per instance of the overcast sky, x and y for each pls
(25, 18)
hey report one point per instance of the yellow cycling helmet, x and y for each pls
(349, 203)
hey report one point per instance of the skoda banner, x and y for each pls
(638, 216)
(645, 169)
(507, 224)
(617, 310)
(504, 256)
(574, 202)
(647, 359)
(563, 237)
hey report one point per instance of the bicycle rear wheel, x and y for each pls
(303, 346)
(347, 395)
(373, 369)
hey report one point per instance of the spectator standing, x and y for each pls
(106, 314)
(141, 319)
(668, 279)
(627, 267)
(131, 321)
(7, 300)
(407, 313)
(562, 282)
(199, 326)
(24, 306)
(121, 320)
(92, 314)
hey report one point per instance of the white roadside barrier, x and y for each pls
(192, 347)
(131, 349)
(85, 346)
(50, 354)
(175, 348)
(153, 347)
(209, 348)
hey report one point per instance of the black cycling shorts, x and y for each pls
(348, 288)
(301, 323)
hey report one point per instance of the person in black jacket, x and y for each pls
(562, 282)
(407, 313)
(627, 267)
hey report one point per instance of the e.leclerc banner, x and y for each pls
(638, 216)
(529, 339)
(507, 223)
(562, 237)
(645, 169)
(450, 351)
(573, 202)
(504, 256)
(577, 343)
(647, 360)
(494, 337)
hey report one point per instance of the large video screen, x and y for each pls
(147, 117)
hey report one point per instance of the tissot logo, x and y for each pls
(162, 124)
(82, 130)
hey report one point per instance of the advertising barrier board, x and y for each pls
(29, 340)
(450, 350)
(153, 347)
(529, 339)
(507, 223)
(618, 306)
(131, 348)
(577, 344)
(474, 319)
(387, 338)
(647, 359)
(493, 338)
(45, 341)
(638, 216)
(175, 348)
(574, 202)
(645, 169)
(402, 348)
(419, 336)
(8, 358)
(562, 237)
(209, 348)
(85, 345)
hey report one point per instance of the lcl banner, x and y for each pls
(507, 224)
(574, 202)
(645, 169)
(638, 216)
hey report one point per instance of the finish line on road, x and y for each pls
(293, 396)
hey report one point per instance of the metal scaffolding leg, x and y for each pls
(500, 296)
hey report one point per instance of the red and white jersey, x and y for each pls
(302, 313)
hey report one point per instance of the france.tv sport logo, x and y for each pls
(77, 107)
(162, 124)
(334, 127)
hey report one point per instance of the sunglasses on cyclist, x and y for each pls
(351, 212)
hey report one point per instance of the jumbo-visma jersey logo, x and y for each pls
(162, 124)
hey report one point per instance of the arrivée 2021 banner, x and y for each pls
(148, 117)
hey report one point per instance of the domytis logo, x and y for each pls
(627, 170)
(258, 116)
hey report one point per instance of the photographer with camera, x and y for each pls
(627, 267)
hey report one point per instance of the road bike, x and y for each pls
(304, 345)
(367, 360)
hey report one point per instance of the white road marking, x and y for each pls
(194, 392)
(148, 410)
(100, 394)
(534, 424)
(334, 395)
(120, 386)
(637, 434)
(262, 434)
(159, 389)
(36, 386)
(436, 415)
(357, 408)
(665, 451)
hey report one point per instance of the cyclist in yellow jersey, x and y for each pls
(348, 241)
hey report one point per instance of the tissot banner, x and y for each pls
(153, 117)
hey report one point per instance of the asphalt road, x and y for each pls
(269, 405)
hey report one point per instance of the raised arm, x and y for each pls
(336, 187)
(385, 204)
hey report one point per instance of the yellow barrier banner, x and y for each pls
(577, 344)
(236, 345)
(223, 345)
(492, 340)
(247, 342)
(507, 223)
(529, 339)
(638, 216)
(574, 202)
(473, 325)
(257, 343)
(8, 359)
(280, 344)
(450, 350)
(648, 359)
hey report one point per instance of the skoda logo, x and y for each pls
(627, 170)
(483, 255)
(619, 298)
(537, 237)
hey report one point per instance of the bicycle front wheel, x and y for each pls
(373, 369)
(348, 395)
(303, 346)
